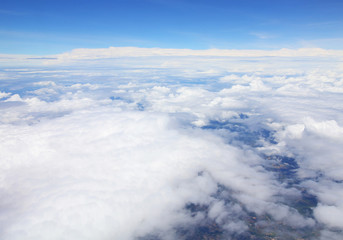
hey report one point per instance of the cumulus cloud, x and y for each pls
(107, 173)
(163, 143)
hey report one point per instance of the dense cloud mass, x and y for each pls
(172, 147)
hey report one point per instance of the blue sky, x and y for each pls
(50, 27)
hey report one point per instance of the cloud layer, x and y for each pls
(161, 146)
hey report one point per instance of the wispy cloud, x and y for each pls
(262, 35)
(330, 43)
(324, 24)
(10, 12)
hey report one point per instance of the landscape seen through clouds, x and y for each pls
(172, 147)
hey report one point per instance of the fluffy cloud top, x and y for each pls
(156, 146)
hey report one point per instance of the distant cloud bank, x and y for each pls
(117, 52)
(145, 52)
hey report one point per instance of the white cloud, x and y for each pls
(112, 53)
(104, 174)
(145, 52)
(119, 149)
(4, 94)
(329, 215)
(14, 98)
